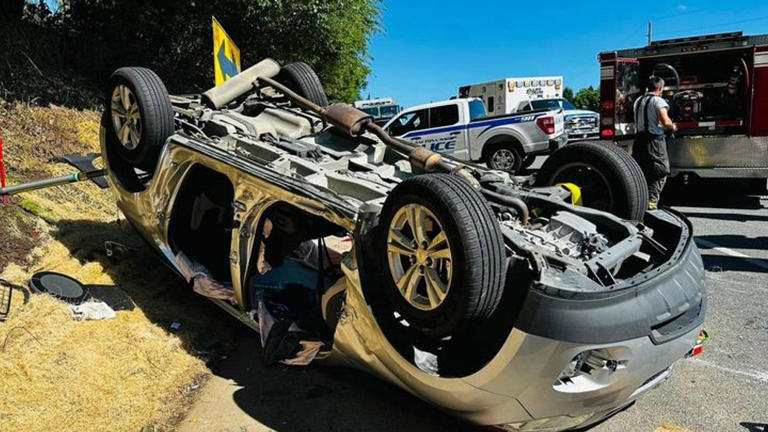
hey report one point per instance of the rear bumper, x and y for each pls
(661, 305)
(531, 378)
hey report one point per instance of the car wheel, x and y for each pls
(141, 115)
(608, 177)
(504, 158)
(528, 161)
(302, 79)
(442, 254)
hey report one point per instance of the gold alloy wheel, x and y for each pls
(126, 117)
(419, 256)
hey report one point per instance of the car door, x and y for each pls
(446, 132)
(407, 125)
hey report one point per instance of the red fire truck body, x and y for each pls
(717, 89)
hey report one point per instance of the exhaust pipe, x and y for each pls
(240, 84)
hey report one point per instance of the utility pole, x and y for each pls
(650, 32)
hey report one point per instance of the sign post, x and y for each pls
(2, 170)
(226, 55)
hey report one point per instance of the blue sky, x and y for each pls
(428, 48)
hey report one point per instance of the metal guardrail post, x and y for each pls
(2, 170)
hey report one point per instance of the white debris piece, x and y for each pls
(92, 310)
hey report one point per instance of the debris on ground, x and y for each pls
(92, 310)
(128, 372)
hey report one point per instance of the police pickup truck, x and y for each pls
(461, 128)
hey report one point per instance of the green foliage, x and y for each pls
(587, 98)
(568, 94)
(174, 38)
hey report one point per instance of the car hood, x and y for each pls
(569, 113)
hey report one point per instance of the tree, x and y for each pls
(174, 37)
(568, 94)
(11, 10)
(587, 98)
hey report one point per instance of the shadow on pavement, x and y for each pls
(735, 217)
(733, 241)
(316, 398)
(716, 193)
(325, 398)
(754, 427)
(720, 263)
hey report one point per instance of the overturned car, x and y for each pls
(523, 303)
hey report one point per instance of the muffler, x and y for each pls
(240, 84)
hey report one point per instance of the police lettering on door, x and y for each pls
(444, 144)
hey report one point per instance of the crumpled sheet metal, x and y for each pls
(202, 282)
(360, 343)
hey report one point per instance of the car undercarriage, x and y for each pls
(442, 277)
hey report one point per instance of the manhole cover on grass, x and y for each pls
(58, 285)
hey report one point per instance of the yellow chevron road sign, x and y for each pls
(226, 55)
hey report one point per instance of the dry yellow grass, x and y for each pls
(126, 374)
(671, 428)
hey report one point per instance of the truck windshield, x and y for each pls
(476, 109)
(389, 111)
(373, 111)
(552, 104)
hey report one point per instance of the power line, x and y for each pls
(710, 26)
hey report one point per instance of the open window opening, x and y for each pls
(708, 94)
(294, 284)
(201, 231)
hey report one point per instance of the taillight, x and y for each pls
(608, 106)
(607, 133)
(546, 124)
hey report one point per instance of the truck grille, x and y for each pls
(580, 124)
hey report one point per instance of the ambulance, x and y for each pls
(513, 95)
(382, 109)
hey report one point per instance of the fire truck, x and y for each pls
(717, 89)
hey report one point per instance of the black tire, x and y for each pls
(156, 115)
(621, 187)
(528, 161)
(302, 79)
(476, 247)
(509, 153)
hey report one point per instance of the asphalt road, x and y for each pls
(724, 389)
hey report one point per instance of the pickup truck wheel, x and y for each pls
(141, 115)
(504, 157)
(442, 254)
(608, 177)
(301, 78)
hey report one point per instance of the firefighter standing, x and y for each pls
(650, 147)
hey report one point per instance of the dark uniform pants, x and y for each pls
(650, 152)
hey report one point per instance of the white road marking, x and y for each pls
(755, 374)
(713, 246)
